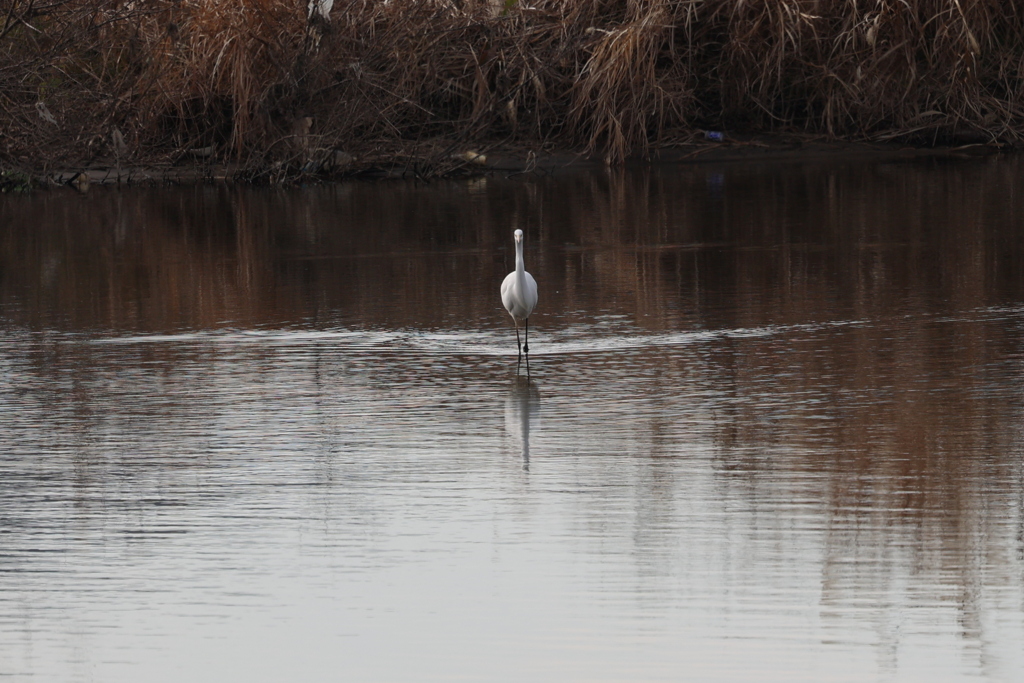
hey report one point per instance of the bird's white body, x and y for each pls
(519, 294)
(519, 289)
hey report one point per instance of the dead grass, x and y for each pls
(254, 81)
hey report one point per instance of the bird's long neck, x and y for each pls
(520, 266)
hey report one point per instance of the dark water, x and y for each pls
(774, 429)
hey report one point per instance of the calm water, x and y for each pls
(774, 430)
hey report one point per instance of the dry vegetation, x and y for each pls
(256, 82)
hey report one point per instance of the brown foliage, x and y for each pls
(611, 76)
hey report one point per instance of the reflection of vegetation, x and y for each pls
(819, 242)
(260, 80)
(875, 427)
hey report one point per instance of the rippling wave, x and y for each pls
(574, 339)
(772, 430)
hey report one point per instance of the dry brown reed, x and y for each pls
(416, 79)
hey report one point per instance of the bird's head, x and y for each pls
(518, 234)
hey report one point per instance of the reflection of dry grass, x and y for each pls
(613, 77)
(904, 427)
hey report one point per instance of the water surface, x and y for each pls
(772, 430)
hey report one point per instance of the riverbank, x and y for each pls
(279, 90)
(505, 160)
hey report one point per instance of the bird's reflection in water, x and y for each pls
(522, 407)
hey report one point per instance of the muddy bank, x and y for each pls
(507, 160)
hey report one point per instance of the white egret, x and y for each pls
(519, 294)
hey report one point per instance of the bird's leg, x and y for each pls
(526, 349)
(518, 342)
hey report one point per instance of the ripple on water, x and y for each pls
(805, 466)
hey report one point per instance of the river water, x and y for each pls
(772, 429)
